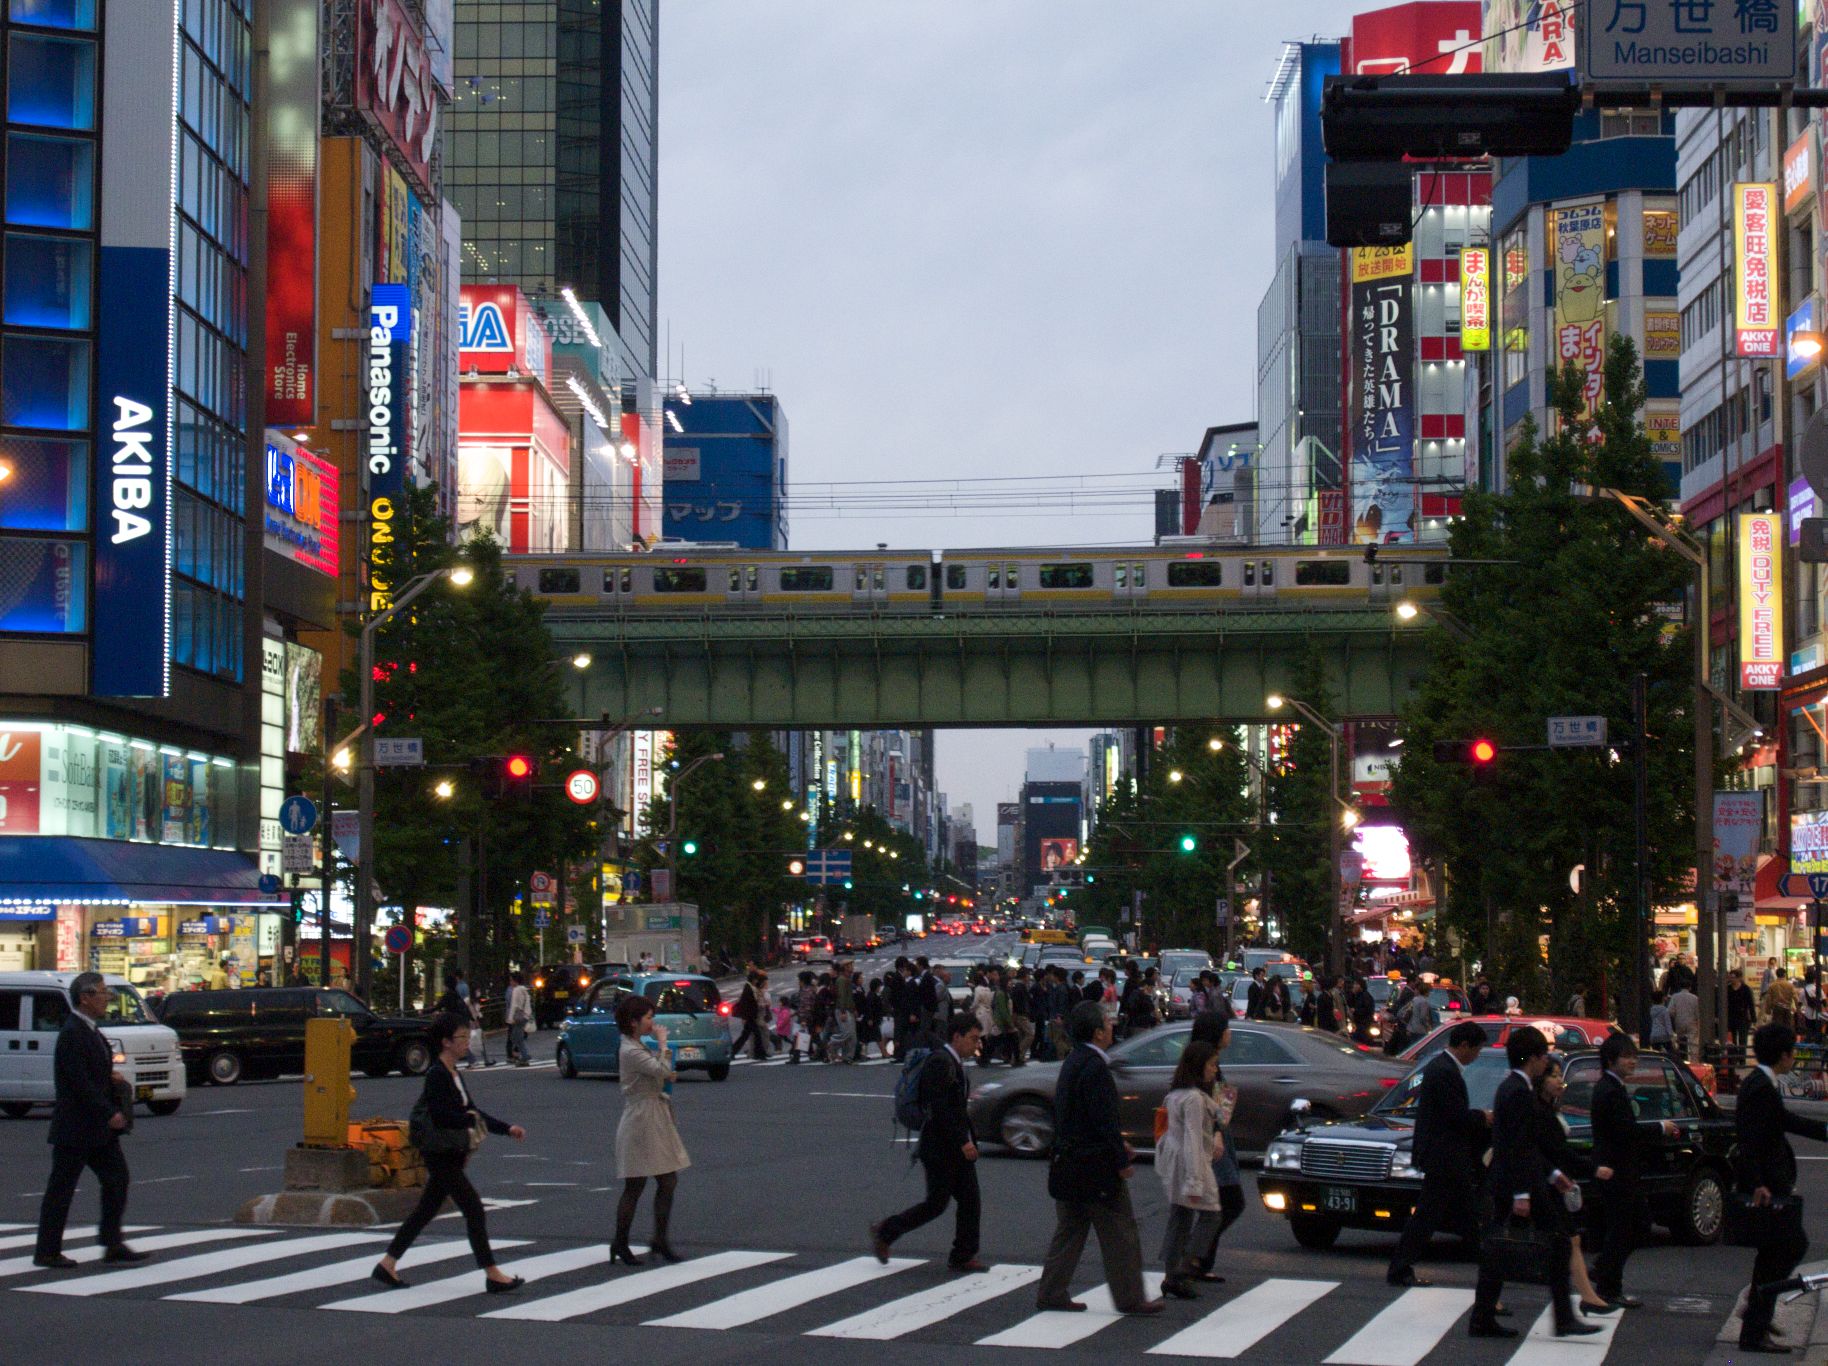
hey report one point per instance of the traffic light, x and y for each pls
(688, 847)
(517, 773)
(796, 867)
(1474, 754)
(1189, 843)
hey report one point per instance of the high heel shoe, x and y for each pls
(507, 1287)
(387, 1278)
(664, 1250)
(622, 1252)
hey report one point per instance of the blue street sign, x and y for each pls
(541, 919)
(269, 883)
(1812, 885)
(631, 881)
(298, 815)
(829, 866)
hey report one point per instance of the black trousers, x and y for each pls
(948, 1180)
(1618, 1216)
(110, 1166)
(1449, 1203)
(753, 1034)
(1774, 1262)
(445, 1177)
(1491, 1281)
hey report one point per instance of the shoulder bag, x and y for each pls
(1749, 1225)
(1520, 1251)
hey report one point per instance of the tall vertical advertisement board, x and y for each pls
(1380, 393)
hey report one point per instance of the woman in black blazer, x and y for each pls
(446, 1146)
(1552, 1139)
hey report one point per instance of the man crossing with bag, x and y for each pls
(1449, 1140)
(947, 1149)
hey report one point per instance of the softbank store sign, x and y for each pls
(133, 437)
(384, 445)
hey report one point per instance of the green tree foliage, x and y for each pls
(467, 670)
(1296, 852)
(1559, 600)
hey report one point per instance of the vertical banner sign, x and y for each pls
(133, 420)
(1380, 388)
(1332, 516)
(294, 97)
(1739, 823)
(1475, 299)
(390, 319)
(1761, 603)
(1755, 298)
(1580, 294)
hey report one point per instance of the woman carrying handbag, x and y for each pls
(1214, 1027)
(1184, 1157)
(647, 1140)
(447, 1127)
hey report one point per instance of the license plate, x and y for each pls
(561, 995)
(142, 1093)
(691, 1055)
(1339, 1200)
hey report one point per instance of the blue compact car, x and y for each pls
(695, 1016)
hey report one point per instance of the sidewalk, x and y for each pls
(1801, 1322)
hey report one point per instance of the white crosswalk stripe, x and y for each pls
(900, 1317)
(779, 1296)
(337, 1273)
(1239, 1324)
(1058, 1328)
(203, 1264)
(1543, 1348)
(1401, 1334)
(624, 1289)
(22, 1266)
(428, 1293)
(71, 1235)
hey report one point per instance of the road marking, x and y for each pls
(1407, 1329)
(1542, 1348)
(8, 1228)
(1238, 1325)
(1059, 1328)
(336, 1273)
(857, 1095)
(900, 1317)
(223, 1112)
(22, 1266)
(158, 1180)
(70, 1234)
(470, 1283)
(777, 1297)
(203, 1264)
(568, 1184)
(588, 1299)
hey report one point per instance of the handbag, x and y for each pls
(1519, 1251)
(430, 1138)
(1749, 1225)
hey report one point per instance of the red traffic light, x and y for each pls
(520, 766)
(1482, 751)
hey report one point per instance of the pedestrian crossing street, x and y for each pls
(858, 1299)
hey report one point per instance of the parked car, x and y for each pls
(1565, 1033)
(260, 1032)
(1272, 1065)
(1325, 1177)
(1175, 961)
(1179, 993)
(557, 987)
(695, 1015)
(33, 1008)
(809, 948)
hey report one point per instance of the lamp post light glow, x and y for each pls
(444, 789)
(581, 660)
(1406, 610)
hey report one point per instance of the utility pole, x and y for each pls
(1640, 811)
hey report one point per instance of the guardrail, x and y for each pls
(1808, 1080)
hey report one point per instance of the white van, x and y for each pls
(33, 1008)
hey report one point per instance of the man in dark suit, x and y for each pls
(1619, 1139)
(1256, 1000)
(85, 1130)
(1523, 1188)
(1449, 1138)
(1088, 1176)
(947, 1149)
(1767, 1172)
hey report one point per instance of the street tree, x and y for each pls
(1295, 852)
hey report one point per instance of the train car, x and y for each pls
(693, 579)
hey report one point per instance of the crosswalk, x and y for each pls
(854, 1298)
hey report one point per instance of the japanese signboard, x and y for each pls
(1475, 299)
(1799, 172)
(1739, 822)
(294, 96)
(1529, 35)
(1662, 334)
(302, 505)
(1580, 293)
(1437, 38)
(1688, 43)
(1809, 842)
(1380, 389)
(1761, 607)
(394, 88)
(1660, 228)
(1756, 295)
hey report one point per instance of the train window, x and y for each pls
(876, 579)
(804, 580)
(1396, 574)
(1250, 573)
(1318, 573)
(558, 580)
(609, 580)
(1434, 574)
(1121, 576)
(1196, 573)
(863, 578)
(1269, 574)
(1066, 576)
(679, 580)
(996, 576)
(917, 576)
(628, 580)
(1009, 577)
(1139, 575)
(1377, 574)
(736, 579)
(751, 578)
(955, 576)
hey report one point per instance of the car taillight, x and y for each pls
(583, 980)
(539, 983)
(723, 1008)
(1388, 1082)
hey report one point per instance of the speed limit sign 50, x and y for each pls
(581, 786)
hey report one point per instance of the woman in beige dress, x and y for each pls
(647, 1140)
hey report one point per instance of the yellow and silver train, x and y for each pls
(677, 578)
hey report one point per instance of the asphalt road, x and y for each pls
(789, 1166)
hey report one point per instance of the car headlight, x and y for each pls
(1283, 1155)
(565, 1025)
(119, 1056)
(1403, 1168)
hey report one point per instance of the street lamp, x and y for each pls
(581, 660)
(1215, 744)
(1175, 775)
(760, 784)
(672, 822)
(1336, 949)
(459, 576)
(1408, 610)
(444, 789)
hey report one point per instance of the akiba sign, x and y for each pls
(384, 446)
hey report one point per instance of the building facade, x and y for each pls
(726, 469)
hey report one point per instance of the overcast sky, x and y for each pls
(965, 239)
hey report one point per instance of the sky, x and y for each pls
(969, 240)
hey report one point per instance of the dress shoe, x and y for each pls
(1599, 1310)
(387, 1278)
(1146, 1307)
(1764, 1345)
(57, 1263)
(1063, 1307)
(1179, 1288)
(505, 1287)
(878, 1244)
(1576, 1329)
(622, 1252)
(120, 1252)
(1624, 1301)
(1489, 1328)
(1406, 1278)
(969, 1264)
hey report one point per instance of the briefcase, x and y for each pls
(1749, 1225)
(1520, 1251)
(123, 1097)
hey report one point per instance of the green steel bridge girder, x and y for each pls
(1006, 668)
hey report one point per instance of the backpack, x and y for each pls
(910, 1110)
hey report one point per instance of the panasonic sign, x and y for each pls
(384, 445)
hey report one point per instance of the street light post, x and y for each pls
(672, 819)
(1336, 947)
(460, 576)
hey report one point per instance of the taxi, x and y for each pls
(696, 1018)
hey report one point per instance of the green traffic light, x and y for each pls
(1188, 844)
(690, 847)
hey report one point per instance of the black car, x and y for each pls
(1358, 1174)
(260, 1032)
(557, 988)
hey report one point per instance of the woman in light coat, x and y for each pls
(1183, 1160)
(647, 1140)
(982, 999)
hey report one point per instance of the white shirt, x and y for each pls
(462, 1090)
(1772, 1074)
(1099, 1051)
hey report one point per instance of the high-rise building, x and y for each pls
(726, 469)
